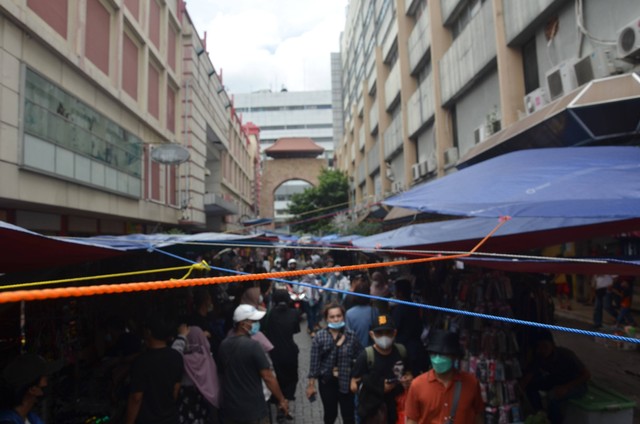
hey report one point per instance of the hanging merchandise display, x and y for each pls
(491, 347)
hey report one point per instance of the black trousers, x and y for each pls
(331, 398)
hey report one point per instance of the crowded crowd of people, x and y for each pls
(232, 354)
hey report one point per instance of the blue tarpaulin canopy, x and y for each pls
(584, 182)
(516, 235)
(25, 250)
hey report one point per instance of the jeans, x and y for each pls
(331, 398)
(599, 306)
(313, 314)
(625, 317)
(604, 301)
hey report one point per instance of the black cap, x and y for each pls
(27, 369)
(444, 342)
(383, 322)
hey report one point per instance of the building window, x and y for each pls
(68, 138)
(171, 109)
(153, 98)
(530, 66)
(134, 7)
(469, 10)
(392, 57)
(98, 34)
(154, 23)
(172, 44)
(53, 12)
(130, 65)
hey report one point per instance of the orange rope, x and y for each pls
(64, 292)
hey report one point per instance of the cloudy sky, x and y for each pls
(268, 44)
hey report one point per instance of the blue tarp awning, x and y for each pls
(575, 182)
(25, 250)
(516, 235)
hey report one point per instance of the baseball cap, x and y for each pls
(26, 369)
(245, 311)
(383, 322)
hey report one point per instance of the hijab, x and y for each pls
(200, 366)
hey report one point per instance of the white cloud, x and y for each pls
(262, 44)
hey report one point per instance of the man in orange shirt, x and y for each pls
(441, 394)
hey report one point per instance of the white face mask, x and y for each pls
(383, 342)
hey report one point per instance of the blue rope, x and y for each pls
(439, 308)
(155, 249)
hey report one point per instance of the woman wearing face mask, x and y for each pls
(432, 395)
(332, 354)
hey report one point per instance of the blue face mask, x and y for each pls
(255, 327)
(336, 325)
(441, 364)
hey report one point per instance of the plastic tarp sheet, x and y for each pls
(25, 250)
(516, 235)
(590, 266)
(160, 241)
(585, 182)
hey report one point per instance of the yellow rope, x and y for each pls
(199, 266)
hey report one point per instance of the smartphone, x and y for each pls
(312, 398)
(391, 380)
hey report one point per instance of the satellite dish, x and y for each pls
(170, 154)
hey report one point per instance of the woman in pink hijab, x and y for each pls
(199, 396)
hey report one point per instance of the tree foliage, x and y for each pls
(314, 208)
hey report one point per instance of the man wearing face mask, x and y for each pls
(444, 393)
(22, 385)
(380, 374)
(244, 365)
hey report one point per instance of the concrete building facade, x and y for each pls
(289, 114)
(90, 88)
(427, 85)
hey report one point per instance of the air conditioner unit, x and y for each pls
(535, 100)
(480, 133)
(451, 156)
(423, 168)
(396, 187)
(561, 79)
(628, 45)
(432, 164)
(415, 170)
(584, 70)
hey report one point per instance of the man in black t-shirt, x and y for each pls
(155, 379)
(381, 374)
(243, 366)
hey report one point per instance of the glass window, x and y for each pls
(53, 115)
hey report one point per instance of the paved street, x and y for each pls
(304, 411)
(610, 366)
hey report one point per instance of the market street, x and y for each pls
(610, 366)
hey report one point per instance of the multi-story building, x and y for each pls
(428, 85)
(283, 114)
(90, 89)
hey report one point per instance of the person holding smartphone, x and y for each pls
(333, 352)
(381, 375)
